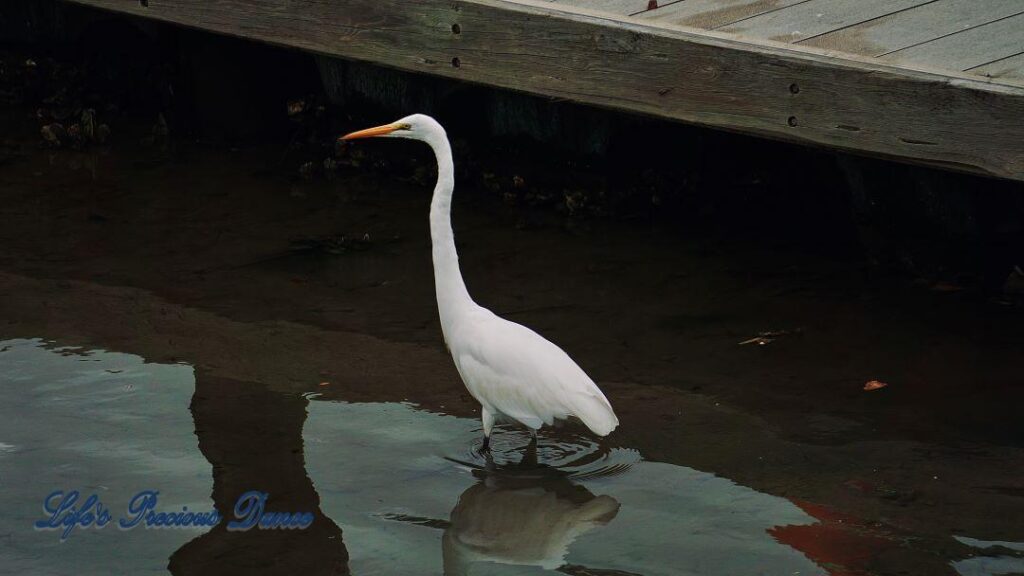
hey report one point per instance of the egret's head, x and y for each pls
(414, 127)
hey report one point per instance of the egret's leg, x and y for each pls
(488, 421)
(530, 456)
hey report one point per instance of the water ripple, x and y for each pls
(577, 456)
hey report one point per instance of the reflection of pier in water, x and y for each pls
(253, 439)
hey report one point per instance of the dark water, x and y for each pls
(190, 321)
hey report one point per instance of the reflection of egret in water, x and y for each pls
(525, 515)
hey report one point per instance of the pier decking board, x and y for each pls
(1007, 68)
(815, 17)
(932, 113)
(969, 48)
(711, 14)
(928, 34)
(622, 7)
(915, 26)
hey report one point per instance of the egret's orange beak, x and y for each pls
(371, 132)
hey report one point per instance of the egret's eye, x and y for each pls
(404, 127)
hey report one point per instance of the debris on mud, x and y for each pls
(332, 244)
(85, 132)
(69, 108)
(770, 336)
(942, 286)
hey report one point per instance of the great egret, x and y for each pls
(513, 372)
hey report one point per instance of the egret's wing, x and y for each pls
(524, 376)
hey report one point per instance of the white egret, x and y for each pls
(513, 372)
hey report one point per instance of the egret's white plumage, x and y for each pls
(511, 370)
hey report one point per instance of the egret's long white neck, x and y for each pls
(452, 295)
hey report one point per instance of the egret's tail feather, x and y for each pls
(598, 415)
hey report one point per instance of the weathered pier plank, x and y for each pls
(955, 119)
(816, 17)
(954, 35)
(712, 14)
(915, 26)
(623, 7)
(1005, 68)
(968, 49)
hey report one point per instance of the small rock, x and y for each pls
(296, 107)
(160, 129)
(54, 134)
(574, 201)
(1014, 282)
(330, 166)
(89, 124)
(102, 133)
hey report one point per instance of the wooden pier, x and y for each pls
(937, 82)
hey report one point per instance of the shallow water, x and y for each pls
(102, 423)
(116, 424)
(404, 490)
(186, 320)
